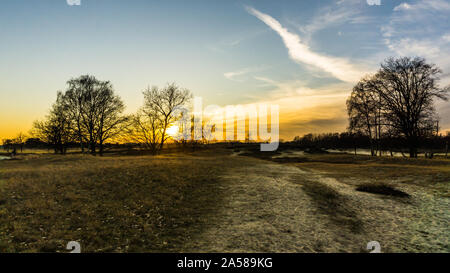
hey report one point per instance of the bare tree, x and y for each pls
(404, 92)
(146, 129)
(19, 140)
(7, 144)
(407, 88)
(111, 122)
(89, 109)
(163, 103)
(95, 111)
(362, 110)
(74, 98)
(56, 129)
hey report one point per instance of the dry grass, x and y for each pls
(213, 202)
(431, 175)
(382, 212)
(107, 204)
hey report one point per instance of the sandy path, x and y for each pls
(271, 207)
(266, 210)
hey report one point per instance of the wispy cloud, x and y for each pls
(328, 18)
(439, 5)
(302, 90)
(413, 47)
(233, 41)
(428, 38)
(336, 14)
(298, 51)
(237, 75)
(446, 37)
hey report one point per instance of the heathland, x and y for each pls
(224, 200)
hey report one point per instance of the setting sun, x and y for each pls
(173, 130)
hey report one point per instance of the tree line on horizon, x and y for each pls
(389, 145)
(388, 109)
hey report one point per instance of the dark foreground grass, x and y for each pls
(110, 204)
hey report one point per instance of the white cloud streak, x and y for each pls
(237, 75)
(412, 47)
(301, 53)
(339, 13)
(439, 5)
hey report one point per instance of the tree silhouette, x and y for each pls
(56, 129)
(146, 129)
(400, 96)
(95, 111)
(162, 103)
(362, 109)
(87, 112)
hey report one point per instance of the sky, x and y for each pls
(304, 56)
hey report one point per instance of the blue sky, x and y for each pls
(303, 55)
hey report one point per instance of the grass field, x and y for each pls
(219, 201)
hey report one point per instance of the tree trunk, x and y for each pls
(446, 149)
(372, 150)
(93, 147)
(163, 138)
(412, 150)
(412, 146)
(80, 136)
(81, 144)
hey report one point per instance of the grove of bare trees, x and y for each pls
(88, 113)
(397, 101)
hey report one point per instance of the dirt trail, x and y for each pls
(268, 209)
(271, 207)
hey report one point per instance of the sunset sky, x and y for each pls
(304, 56)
